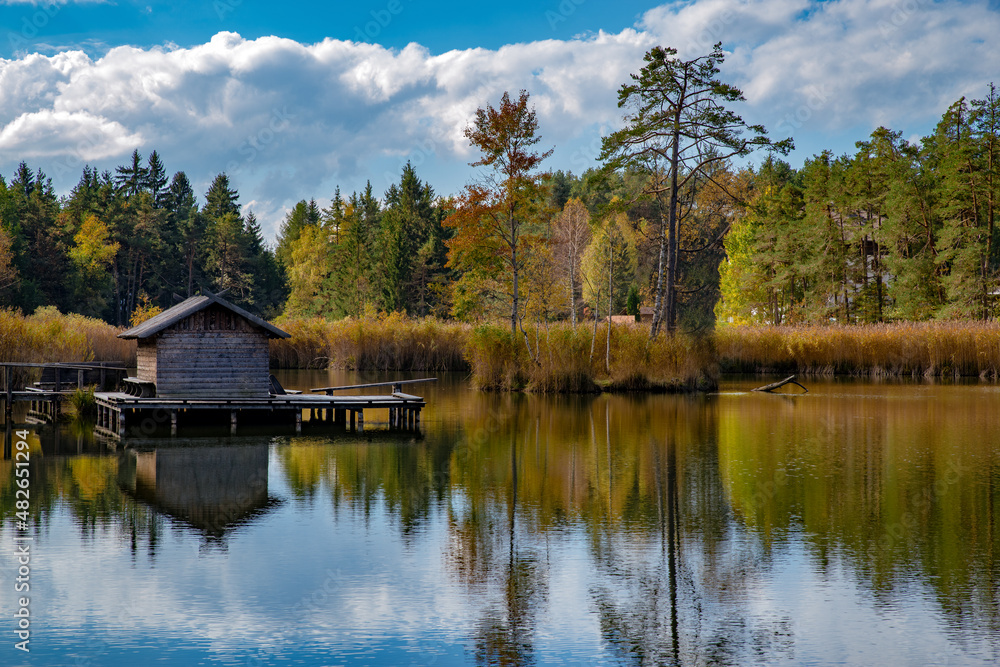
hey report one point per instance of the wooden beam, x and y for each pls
(372, 384)
(774, 385)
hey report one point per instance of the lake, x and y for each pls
(857, 524)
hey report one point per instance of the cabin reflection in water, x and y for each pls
(213, 488)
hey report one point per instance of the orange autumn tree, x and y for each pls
(497, 217)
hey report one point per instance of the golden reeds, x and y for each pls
(379, 342)
(904, 348)
(562, 360)
(48, 335)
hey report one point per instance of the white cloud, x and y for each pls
(64, 134)
(850, 63)
(291, 120)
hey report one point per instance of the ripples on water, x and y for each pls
(855, 524)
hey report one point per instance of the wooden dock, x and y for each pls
(121, 413)
(58, 380)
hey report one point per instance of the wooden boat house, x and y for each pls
(203, 347)
(206, 360)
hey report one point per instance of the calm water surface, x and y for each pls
(856, 525)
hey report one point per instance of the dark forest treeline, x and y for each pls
(896, 231)
(124, 243)
(129, 240)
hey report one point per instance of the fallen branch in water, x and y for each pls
(775, 385)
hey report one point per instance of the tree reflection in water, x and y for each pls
(669, 516)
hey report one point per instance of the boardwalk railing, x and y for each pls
(397, 385)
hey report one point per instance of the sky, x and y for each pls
(292, 100)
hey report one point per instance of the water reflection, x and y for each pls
(901, 481)
(206, 485)
(635, 530)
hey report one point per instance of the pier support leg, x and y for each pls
(232, 422)
(354, 414)
(339, 417)
(8, 403)
(121, 423)
(298, 421)
(361, 421)
(416, 418)
(173, 422)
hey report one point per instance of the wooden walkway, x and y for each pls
(58, 380)
(119, 413)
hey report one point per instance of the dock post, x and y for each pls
(361, 421)
(354, 414)
(392, 417)
(121, 423)
(298, 421)
(339, 417)
(173, 422)
(8, 403)
(232, 422)
(409, 418)
(416, 418)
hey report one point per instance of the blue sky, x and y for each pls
(440, 26)
(295, 99)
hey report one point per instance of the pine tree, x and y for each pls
(156, 179)
(133, 177)
(303, 214)
(679, 124)
(221, 200)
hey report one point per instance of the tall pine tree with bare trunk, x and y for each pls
(677, 125)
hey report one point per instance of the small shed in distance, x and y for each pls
(205, 347)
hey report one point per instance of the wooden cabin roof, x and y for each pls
(189, 306)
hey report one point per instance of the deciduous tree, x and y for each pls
(495, 216)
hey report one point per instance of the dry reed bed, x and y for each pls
(905, 348)
(568, 359)
(384, 342)
(48, 335)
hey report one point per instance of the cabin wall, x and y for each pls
(146, 360)
(212, 365)
(212, 354)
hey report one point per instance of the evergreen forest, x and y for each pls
(895, 231)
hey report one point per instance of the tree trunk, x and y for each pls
(611, 296)
(572, 293)
(672, 240)
(658, 303)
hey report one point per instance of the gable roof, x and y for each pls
(189, 306)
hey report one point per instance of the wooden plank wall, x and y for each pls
(213, 353)
(146, 360)
(212, 365)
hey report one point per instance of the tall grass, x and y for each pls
(931, 349)
(48, 335)
(568, 359)
(378, 342)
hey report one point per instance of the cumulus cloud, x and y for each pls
(290, 120)
(841, 64)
